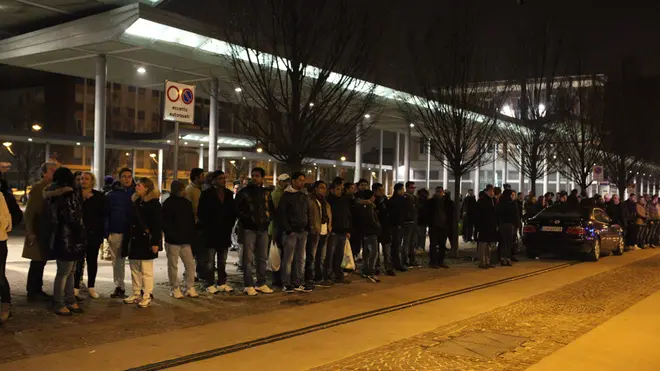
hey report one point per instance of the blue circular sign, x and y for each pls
(187, 96)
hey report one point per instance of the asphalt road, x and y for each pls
(457, 319)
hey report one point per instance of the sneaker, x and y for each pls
(224, 288)
(212, 289)
(118, 293)
(414, 265)
(75, 308)
(177, 294)
(288, 289)
(145, 302)
(133, 299)
(343, 280)
(192, 293)
(302, 288)
(326, 283)
(264, 289)
(373, 279)
(92, 293)
(250, 291)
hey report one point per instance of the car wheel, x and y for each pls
(620, 246)
(594, 254)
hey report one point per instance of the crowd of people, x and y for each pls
(67, 220)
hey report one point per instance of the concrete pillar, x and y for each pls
(99, 119)
(521, 180)
(160, 169)
(545, 176)
(213, 126)
(397, 159)
(505, 155)
(445, 177)
(387, 183)
(274, 172)
(358, 154)
(134, 160)
(495, 166)
(223, 162)
(557, 183)
(406, 155)
(380, 159)
(428, 165)
(200, 162)
(475, 185)
(318, 173)
(250, 169)
(47, 153)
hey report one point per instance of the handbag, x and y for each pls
(348, 263)
(274, 259)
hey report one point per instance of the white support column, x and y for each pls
(397, 159)
(274, 172)
(428, 165)
(545, 176)
(223, 167)
(318, 173)
(406, 156)
(358, 154)
(213, 126)
(99, 119)
(495, 166)
(557, 183)
(387, 182)
(134, 161)
(380, 159)
(47, 153)
(475, 185)
(521, 181)
(200, 162)
(505, 155)
(160, 169)
(445, 177)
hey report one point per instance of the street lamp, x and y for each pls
(343, 158)
(8, 146)
(36, 127)
(259, 150)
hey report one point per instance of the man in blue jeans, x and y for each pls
(293, 216)
(254, 215)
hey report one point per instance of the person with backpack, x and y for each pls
(33, 249)
(179, 229)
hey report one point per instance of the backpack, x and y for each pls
(14, 209)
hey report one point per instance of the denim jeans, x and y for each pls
(314, 255)
(210, 258)
(320, 257)
(63, 284)
(5, 293)
(387, 257)
(396, 249)
(369, 254)
(409, 242)
(293, 258)
(255, 245)
(334, 254)
(421, 237)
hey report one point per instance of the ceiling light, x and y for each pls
(367, 116)
(232, 162)
(36, 127)
(152, 155)
(269, 160)
(185, 143)
(201, 145)
(78, 143)
(127, 154)
(168, 141)
(243, 157)
(412, 125)
(315, 164)
(141, 70)
(334, 165)
(238, 90)
(311, 104)
(343, 158)
(29, 139)
(260, 150)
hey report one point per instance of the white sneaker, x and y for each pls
(177, 294)
(93, 294)
(192, 293)
(136, 297)
(250, 291)
(145, 302)
(264, 289)
(225, 288)
(212, 289)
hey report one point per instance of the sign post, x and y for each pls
(179, 107)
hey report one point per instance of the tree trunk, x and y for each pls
(532, 184)
(457, 216)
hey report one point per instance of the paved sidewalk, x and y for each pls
(628, 341)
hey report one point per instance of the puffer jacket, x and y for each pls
(641, 214)
(63, 216)
(254, 208)
(316, 207)
(145, 226)
(342, 216)
(293, 211)
(120, 208)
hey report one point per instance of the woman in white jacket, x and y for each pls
(5, 227)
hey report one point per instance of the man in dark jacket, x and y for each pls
(410, 229)
(508, 219)
(320, 219)
(486, 224)
(293, 216)
(254, 216)
(573, 198)
(440, 216)
(356, 235)
(385, 237)
(342, 224)
(367, 223)
(179, 229)
(217, 216)
(120, 209)
(468, 212)
(630, 209)
(397, 206)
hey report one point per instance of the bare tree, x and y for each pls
(457, 115)
(306, 102)
(581, 132)
(27, 158)
(530, 139)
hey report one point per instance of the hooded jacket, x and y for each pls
(342, 216)
(62, 225)
(145, 228)
(293, 211)
(178, 221)
(254, 208)
(120, 208)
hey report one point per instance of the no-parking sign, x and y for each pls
(179, 102)
(598, 174)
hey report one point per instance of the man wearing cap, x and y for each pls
(283, 181)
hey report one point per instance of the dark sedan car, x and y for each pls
(566, 228)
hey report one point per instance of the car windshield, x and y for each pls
(563, 211)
